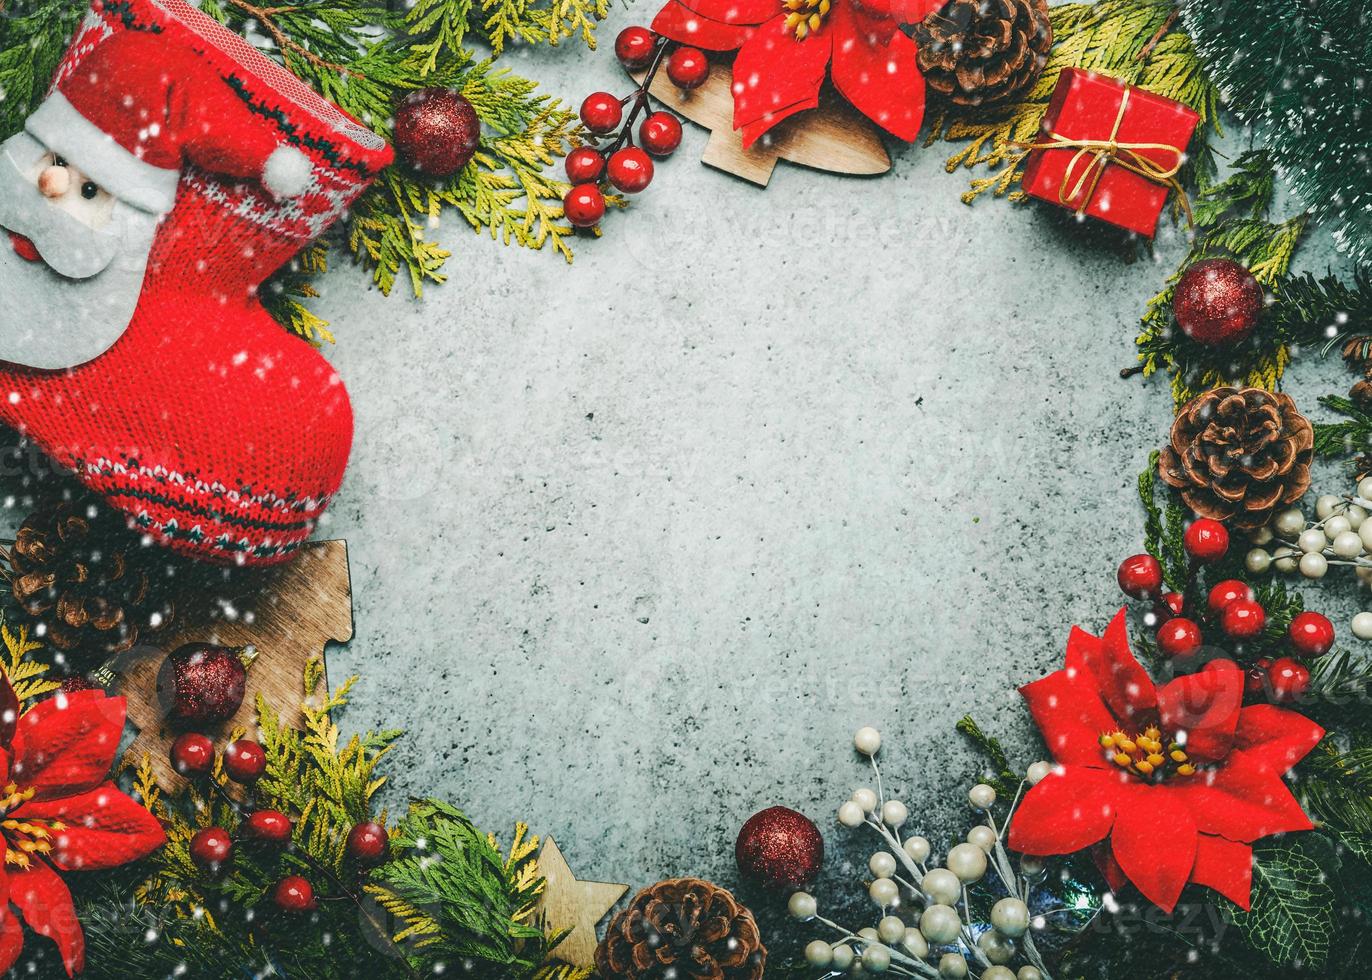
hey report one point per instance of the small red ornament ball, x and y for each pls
(1140, 576)
(244, 761)
(436, 131)
(1206, 540)
(1217, 302)
(1312, 635)
(601, 112)
(1174, 603)
(201, 684)
(584, 165)
(660, 134)
(631, 170)
(368, 843)
(1288, 679)
(268, 826)
(634, 47)
(293, 894)
(1256, 679)
(211, 848)
(1179, 637)
(192, 754)
(584, 205)
(1226, 592)
(1243, 619)
(688, 68)
(779, 848)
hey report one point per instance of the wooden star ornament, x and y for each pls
(573, 906)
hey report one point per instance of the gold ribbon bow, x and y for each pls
(1099, 154)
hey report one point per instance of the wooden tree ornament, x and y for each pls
(288, 613)
(574, 906)
(832, 137)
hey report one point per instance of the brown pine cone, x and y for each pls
(1237, 454)
(980, 52)
(686, 929)
(80, 574)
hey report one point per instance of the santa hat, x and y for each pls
(137, 109)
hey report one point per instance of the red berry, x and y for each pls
(634, 47)
(660, 133)
(1311, 634)
(631, 170)
(367, 843)
(1174, 601)
(1140, 576)
(688, 68)
(1243, 619)
(293, 894)
(1206, 540)
(192, 754)
(269, 826)
(601, 112)
(1289, 678)
(1179, 637)
(584, 165)
(211, 848)
(1226, 592)
(584, 205)
(244, 761)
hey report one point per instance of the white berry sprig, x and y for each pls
(905, 877)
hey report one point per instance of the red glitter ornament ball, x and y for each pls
(200, 684)
(436, 131)
(779, 848)
(1217, 302)
(244, 761)
(293, 894)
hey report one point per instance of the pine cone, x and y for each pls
(1237, 454)
(980, 52)
(686, 929)
(80, 574)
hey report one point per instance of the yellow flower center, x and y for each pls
(805, 16)
(1146, 756)
(23, 838)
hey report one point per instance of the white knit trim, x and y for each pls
(63, 130)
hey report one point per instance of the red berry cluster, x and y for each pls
(1232, 607)
(211, 849)
(620, 163)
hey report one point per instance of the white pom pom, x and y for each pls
(287, 173)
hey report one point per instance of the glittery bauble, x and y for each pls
(1217, 302)
(436, 131)
(779, 848)
(200, 684)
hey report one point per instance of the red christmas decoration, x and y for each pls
(601, 113)
(584, 205)
(1174, 602)
(200, 684)
(293, 894)
(1288, 679)
(688, 68)
(192, 754)
(268, 826)
(1243, 619)
(211, 848)
(1226, 592)
(779, 848)
(660, 134)
(784, 55)
(631, 170)
(635, 47)
(244, 761)
(1140, 576)
(1156, 813)
(1217, 301)
(1206, 540)
(436, 131)
(62, 813)
(368, 843)
(1312, 635)
(1179, 637)
(584, 165)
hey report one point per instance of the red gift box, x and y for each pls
(1109, 150)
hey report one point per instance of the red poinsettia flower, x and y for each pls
(785, 48)
(59, 811)
(1169, 784)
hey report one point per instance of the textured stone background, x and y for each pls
(637, 544)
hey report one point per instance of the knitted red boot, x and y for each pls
(215, 430)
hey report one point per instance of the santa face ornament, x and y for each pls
(72, 258)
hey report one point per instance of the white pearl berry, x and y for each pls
(1261, 536)
(1325, 504)
(942, 887)
(952, 966)
(1038, 771)
(1257, 561)
(819, 953)
(867, 740)
(1356, 515)
(983, 837)
(997, 973)
(981, 796)
(1314, 565)
(1365, 533)
(891, 930)
(876, 958)
(1289, 523)
(940, 924)
(1028, 972)
(1010, 917)
(850, 814)
(1285, 559)
(884, 891)
(894, 813)
(996, 947)
(865, 798)
(915, 944)
(1362, 625)
(1311, 541)
(843, 957)
(802, 905)
(882, 864)
(1337, 525)
(916, 849)
(1031, 866)
(1348, 544)
(968, 862)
